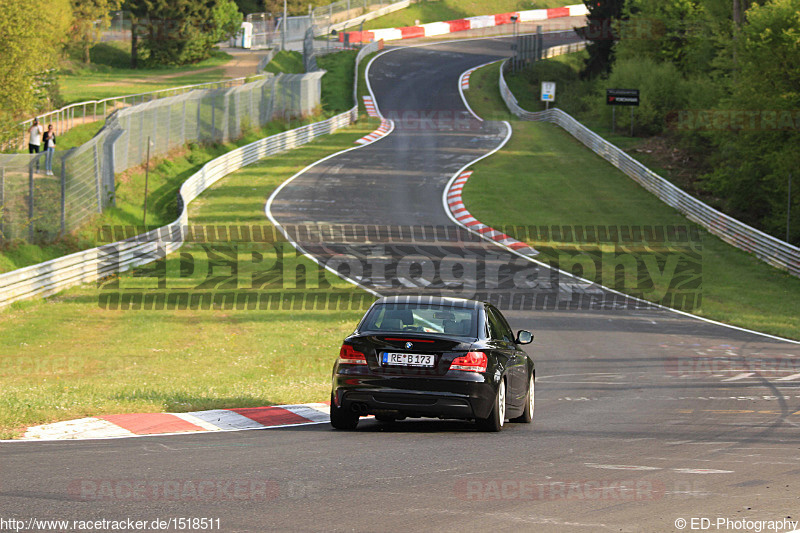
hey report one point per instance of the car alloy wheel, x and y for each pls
(527, 415)
(496, 419)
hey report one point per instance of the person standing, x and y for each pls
(49, 142)
(35, 141)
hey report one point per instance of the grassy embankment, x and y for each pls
(544, 177)
(67, 357)
(168, 173)
(110, 75)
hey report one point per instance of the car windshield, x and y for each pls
(421, 318)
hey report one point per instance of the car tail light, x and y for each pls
(472, 362)
(350, 356)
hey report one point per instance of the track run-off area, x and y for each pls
(636, 428)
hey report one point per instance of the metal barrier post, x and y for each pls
(63, 194)
(30, 200)
(169, 126)
(183, 124)
(213, 123)
(2, 202)
(97, 180)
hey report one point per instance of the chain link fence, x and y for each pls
(334, 15)
(38, 205)
(268, 31)
(48, 278)
(73, 115)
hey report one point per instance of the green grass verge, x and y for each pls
(442, 10)
(67, 357)
(105, 361)
(110, 74)
(286, 61)
(337, 83)
(545, 177)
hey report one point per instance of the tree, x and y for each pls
(87, 14)
(756, 157)
(30, 46)
(177, 32)
(250, 6)
(662, 30)
(227, 21)
(599, 31)
(298, 7)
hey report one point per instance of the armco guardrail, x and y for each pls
(766, 247)
(53, 276)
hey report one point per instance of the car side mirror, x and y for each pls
(524, 337)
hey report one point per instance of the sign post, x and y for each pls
(548, 93)
(615, 97)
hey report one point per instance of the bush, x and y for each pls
(662, 92)
(572, 94)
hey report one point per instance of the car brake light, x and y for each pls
(472, 362)
(350, 356)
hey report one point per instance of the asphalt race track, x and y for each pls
(643, 417)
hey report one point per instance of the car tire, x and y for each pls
(494, 422)
(527, 415)
(342, 419)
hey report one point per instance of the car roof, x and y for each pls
(431, 300)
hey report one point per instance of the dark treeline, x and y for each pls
(720, 79)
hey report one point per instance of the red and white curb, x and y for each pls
(463, 216)
(369, 104)
(135, 424)
(465, 78)
(384, 129)
(441, 28)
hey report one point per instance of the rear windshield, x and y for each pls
(421, 318)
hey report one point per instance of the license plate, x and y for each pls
(406, 359)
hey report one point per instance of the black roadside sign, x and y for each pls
(622, 96)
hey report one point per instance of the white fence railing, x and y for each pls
(766, 247)
(50, 277)
(73, 115)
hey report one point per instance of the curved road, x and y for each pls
(643, 416)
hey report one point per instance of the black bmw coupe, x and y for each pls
(418, 356)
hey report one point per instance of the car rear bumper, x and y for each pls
(413, 397)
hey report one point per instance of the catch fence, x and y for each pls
(53, 276)
(37, 206)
